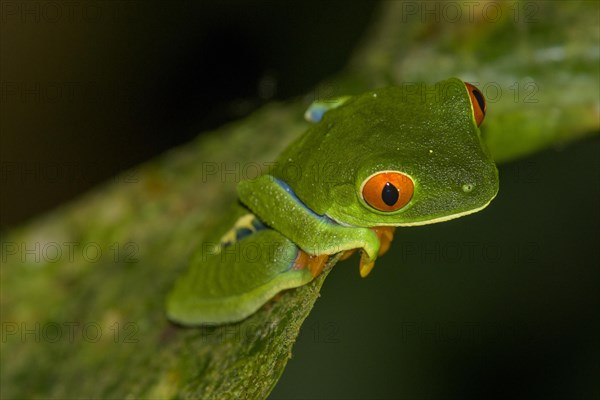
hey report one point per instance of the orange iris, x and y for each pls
(478, 102)
(388, 191)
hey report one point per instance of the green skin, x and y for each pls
(312, 200)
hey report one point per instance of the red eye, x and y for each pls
(478, 102)
(388, 191)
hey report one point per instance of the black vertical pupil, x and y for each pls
(390, 194)
(480, 100)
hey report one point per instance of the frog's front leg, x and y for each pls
(275, 203)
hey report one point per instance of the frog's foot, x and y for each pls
(315, 264)
(366, 265)
(385, 234)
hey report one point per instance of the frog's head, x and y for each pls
(417, 156)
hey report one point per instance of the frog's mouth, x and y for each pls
(442, 219)
(413, 223)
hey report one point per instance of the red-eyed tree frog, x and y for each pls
(392, 157)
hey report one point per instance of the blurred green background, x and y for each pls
(500, 304)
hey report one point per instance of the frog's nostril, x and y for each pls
(468, 187)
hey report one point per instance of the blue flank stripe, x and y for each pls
(242, 233)
(288, 189)
(258, 225)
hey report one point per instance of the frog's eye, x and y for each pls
(387, 191)
(478, 102)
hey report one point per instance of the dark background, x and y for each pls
(89, 89)
(500, 304)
